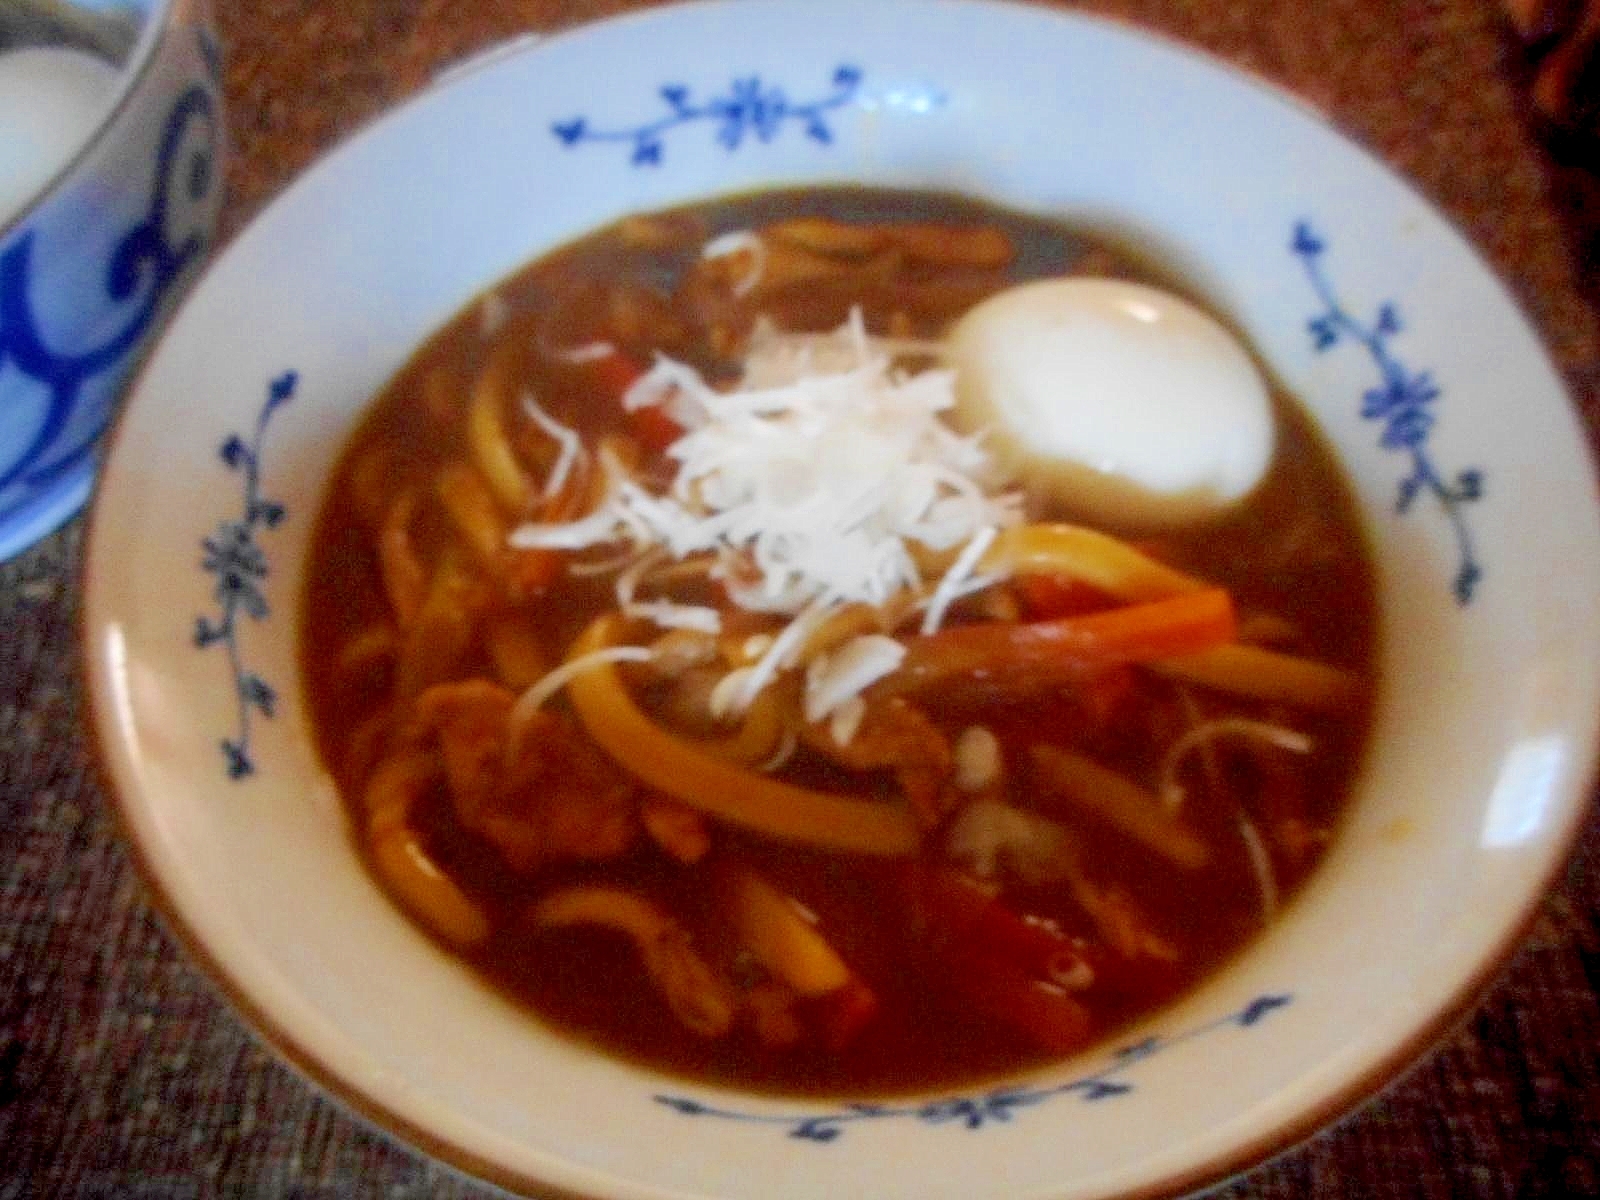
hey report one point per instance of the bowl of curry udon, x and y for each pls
(829, 616)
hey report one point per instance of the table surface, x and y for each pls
(123, 1074)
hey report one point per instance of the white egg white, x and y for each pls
(1122, 400)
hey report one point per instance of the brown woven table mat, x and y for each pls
(122, 1074)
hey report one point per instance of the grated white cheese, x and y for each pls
(814, 483)
(740, 241)
(956, 580)
(532, 700)
(844, 673)
(569, 443)
(818, 476)
(778, 657)
(664, 613)
(588, 352)
(847, 720)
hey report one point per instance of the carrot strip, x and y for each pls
(1069, 647)
(1047, 596)
(719, 788)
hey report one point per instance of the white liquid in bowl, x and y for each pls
(52, 99)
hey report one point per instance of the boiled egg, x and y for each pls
(1123, 401)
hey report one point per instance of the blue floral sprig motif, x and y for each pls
(239, 566)
(994, 1107)
(1403, 401)
(751, 107)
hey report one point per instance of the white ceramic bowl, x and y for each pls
(1359, 297)
(94, 260)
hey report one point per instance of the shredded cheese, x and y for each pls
(1171, 790)
(846, 720)
(834, 678)
(664, 613)
(588, 352)
(532, 700)
(818, 476)
(954, 584)
(818, 481)
(569, 443)
(740, 241)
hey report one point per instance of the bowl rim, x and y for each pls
(97, 713)
(157, 27)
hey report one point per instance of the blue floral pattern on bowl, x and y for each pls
(751, 107)
(1403, 401)
(239, 565)
(997, 1106)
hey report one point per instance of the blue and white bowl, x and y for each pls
(1468, 463)
(94, 261)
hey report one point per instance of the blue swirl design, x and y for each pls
(144, 267)
(1403, 402)
(993, 1107)
(750, 107)
(237, 562)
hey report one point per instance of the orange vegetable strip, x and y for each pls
(1047, 596)
(1119, 801)
(651, 426)
(1085, 555)
(722, 789)
(775, 929)
(1265, 675)
(1070, 646)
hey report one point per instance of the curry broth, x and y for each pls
(1295, 549)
